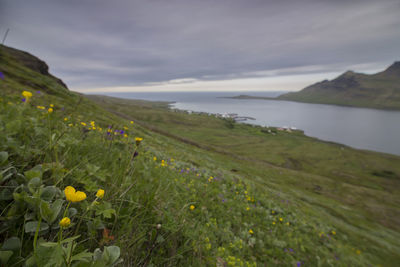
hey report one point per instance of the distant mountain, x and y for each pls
(380, 90)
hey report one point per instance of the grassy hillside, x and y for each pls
(381, 90)
(195, 191)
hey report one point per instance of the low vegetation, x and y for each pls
(143, 186)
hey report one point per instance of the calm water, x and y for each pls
(370, 129)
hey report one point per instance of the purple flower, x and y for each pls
(23, 99)
(1, 75)
(298, 263)
(38, 92)
(121, 132)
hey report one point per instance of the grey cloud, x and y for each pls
(120, 43)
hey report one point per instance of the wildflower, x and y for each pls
(50, 110)
(65, 222)
(1, 75)
(74, 196)
(273, 223)
(83, 123)
(158, 226)
(23, 100)
(40, 107)
(27, 94)
(333, 232)
(106, 235)
(100, 193)
(131, 122)
(288, 223)
(70, 125)
(298, 264)
(192, 207)
(248, 208)
(92, 123)
(125, 135)
(125, 128)
(281, 219)
(273, 212)
(154, 158)
(65, 119)
(251, 232)
(138, 140)
(51, 105)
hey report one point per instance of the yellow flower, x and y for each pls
(92, 123)
(288, 223)
(65, 119)
(74, 196)
(125, 135)
(154, 158)
(131, 122)
(138, 140)
(248, 208)
(251, 232)
(281, 219)
(83, 123)
(273, 223)
(358, 252)
(27, 94)
(192, 207)
(65, 222)
(100, 193)
(50, 110)
(51, 105)
(40, 107)
(125, 128)
(70, 125)
(333, 232)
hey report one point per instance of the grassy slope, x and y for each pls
(348, 184)
(316, 186)
(380, 90)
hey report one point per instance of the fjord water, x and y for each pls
(371, 129)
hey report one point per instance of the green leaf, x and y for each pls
(45, 211)
(30, 227)
(5, 256)
(72, 212)
(56, 208)
(48, 193)
(113, 253)
(35, 172)
(6, 194)
(12, 243)
(3, 157)
(68, 240)
(34, 184)
(83, 256)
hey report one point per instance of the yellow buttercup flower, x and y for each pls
(138, 140)
(83, 123)
(27, 94)
(51, 105)
(50, 110)
(154, 158)
(131, 122)
(65, 222)
(40, 107)
(251, 232)
(100, 193)
(74, 196)
(192, 207)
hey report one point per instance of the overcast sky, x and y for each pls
(110, 45)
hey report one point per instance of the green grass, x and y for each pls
(318, 188)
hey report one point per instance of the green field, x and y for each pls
(199, 191)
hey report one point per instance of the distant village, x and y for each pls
(237, 118)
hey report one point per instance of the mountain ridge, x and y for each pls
(380, 90)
